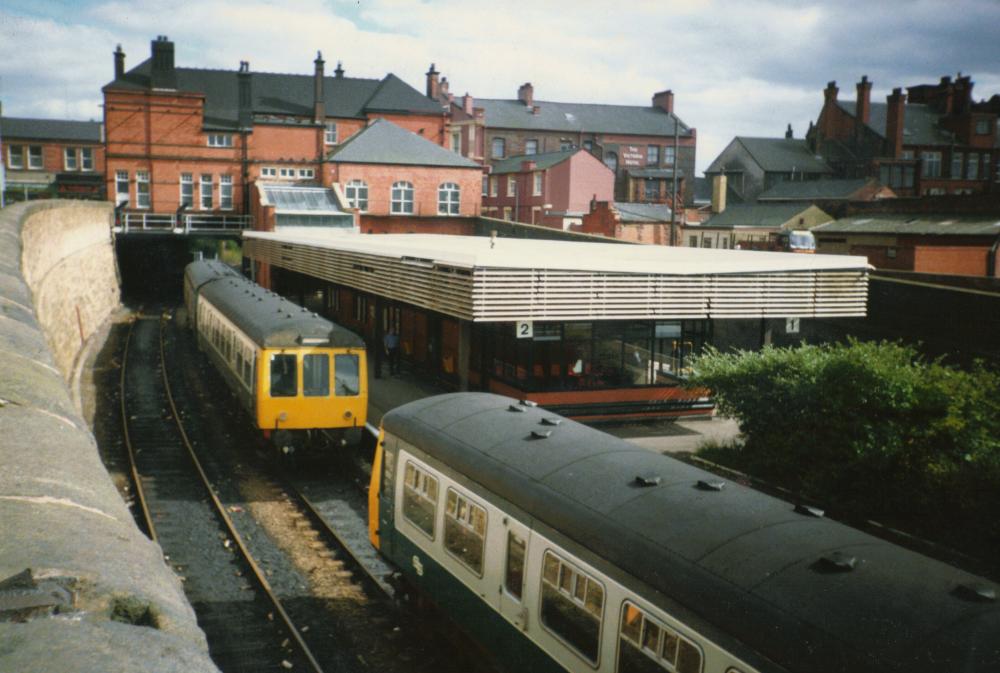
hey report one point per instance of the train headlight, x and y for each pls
(348, 414)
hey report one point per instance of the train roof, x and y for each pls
(803, 591)
(202, 271)
(267, 318)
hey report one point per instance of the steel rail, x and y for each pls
(133, 468)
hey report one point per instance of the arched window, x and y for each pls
(448, 197)
(357, 194)
(611, 161)
(402, 198)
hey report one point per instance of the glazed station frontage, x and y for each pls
(591, 330)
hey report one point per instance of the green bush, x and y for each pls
(870, 426)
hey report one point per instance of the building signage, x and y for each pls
(525, 329)
(632, 156)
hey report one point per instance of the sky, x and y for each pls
(745, 68)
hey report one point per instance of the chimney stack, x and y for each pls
(863, 104)
(119, 62)
(526, 94)
(963, 94)
(163, 75)
(245, 96)
(664, 100)
(467, 104)
(319, 106)
(830, 93)
(718, 193)
(433, 87)
(339, 72)
(788, 133)
(895, 111)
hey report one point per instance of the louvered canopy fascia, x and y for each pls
(504, 294)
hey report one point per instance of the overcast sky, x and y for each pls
(736, 68)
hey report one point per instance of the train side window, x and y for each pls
(420, 492)
(316, 375)
(648, 646)
(465, 531)
(283, 376)
(514, 575)
(345, 371)
(572, 606)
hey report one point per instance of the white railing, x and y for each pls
(134, 222)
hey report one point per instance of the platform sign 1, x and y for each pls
(791, 325)
(525, 329)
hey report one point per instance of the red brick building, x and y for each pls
(932, 140)
(196, 138)
(553, 188)
(636, 222)
(52, 157)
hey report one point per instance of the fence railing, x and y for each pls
(135, 222)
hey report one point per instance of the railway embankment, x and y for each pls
(81, 588)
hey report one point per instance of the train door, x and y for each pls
(513, 574)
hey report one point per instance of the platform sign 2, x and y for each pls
(791, 325)
(525, 329)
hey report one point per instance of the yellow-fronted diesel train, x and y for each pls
(560, 547)
(295, 372)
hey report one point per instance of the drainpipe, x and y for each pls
(673, 205)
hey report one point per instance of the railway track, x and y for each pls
(247, 627)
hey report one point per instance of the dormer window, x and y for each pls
(220, 140)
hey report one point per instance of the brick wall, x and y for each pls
(425, 181)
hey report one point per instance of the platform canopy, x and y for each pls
(506, 279)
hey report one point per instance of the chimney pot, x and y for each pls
(863, 103)
(119, 62)
(788, 132)
(339, 72)
(433, 86)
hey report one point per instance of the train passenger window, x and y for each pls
(316, 375)
(420, 492)
(514, 576)
(465, 531)
(345, 371)
(283, 376)
(647, 646)
(572, 605)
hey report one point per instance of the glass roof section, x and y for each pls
(288, 199)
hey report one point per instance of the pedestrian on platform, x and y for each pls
(392, 350)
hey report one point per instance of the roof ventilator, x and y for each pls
(528, 403)
(711, 484)
(976, 592)
(646, 480)
(809, 510)
(551, 421)
(836, 562)
(516, 408)
(541, 434)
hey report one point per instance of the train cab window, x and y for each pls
(465, 531)
(572, 606)
(648, 646)
(420, 492)
(347, 379)
(283, 376)
(316, 375)
(514, 574)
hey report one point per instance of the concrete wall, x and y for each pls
(94, 593)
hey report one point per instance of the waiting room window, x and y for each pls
(932, 164)
(226, 192)
(486, 185)
(565, 145)
(572, 605)
(284, 376)
(35, 157)
(493, 186)
(972, 173)
(448, 199)
(465, 531)
(499, 148)
(651, 190)
(206, 191)
(142, 189)
(420, 492)
(15, 156)
(356, 192)
(692, 241)
(706, 243)
(87, 158)
(668, 156)
(187, 190)
(121, 187)
(316, 375)
(511, 185)
(307, 173)
(531, 146)
(956, 165)
(287, 172)
(330, 133)
(268, 172)
(652, 155)
(537, 183)
(69, 159)
(220, 140)
(346, 374)
(402, 198)
(456, 142)
(647, 645)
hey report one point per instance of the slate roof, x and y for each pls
(580, 117)
(756, 215)
(642, 212)
(920, 123)
(50, 129)
(382, 142)
(702, 190)
(542, 161)
(809, 190)
(782, 155)
(925, 225)
(279, 94)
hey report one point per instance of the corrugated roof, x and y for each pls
(643, 212)
(808, 190)
(920, 122)
(382, 142)
(542, 161)
(926, 225)
(50, 129)
(279, 94)
(580, 117)
(756, 215)
(783, 155)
